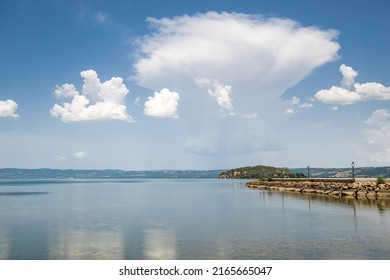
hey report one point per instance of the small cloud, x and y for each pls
(296, 102)
(333, 108)
(80, 155)
(290, 111)
(137, 102)
(350, 92)
(8, 109)
(60, 158)
(100, 17)
(220, 92)
(97, 101)
(306, 105)
(163, 104)
(87, 15)
(250, 116)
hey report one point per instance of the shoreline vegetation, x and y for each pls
(361, 188)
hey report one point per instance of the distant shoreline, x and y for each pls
(366, 188)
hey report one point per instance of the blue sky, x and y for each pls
(148, 84)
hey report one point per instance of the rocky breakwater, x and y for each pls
(359, 188)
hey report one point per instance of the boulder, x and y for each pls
(349, 192)
(361, 193)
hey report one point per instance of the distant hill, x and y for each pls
(257, 172)
(46, 173)
(360, 172)
(249, 172)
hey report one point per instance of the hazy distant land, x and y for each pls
(250, 172)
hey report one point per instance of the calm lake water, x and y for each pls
(184, 219)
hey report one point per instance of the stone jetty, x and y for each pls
(358, 188)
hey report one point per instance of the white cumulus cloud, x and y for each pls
(8, 109)
(378, 134)
(350, 92)
(349, 76)
(97, 102)
(246, 63)
(163, 104)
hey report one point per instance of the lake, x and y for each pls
(184, 219)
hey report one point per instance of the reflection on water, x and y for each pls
(92, 243)
(4, 244)
(186, 219)
(160, 244)
(21, 193)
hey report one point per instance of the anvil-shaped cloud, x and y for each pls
(249, 62)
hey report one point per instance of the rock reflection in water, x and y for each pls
(380, 204)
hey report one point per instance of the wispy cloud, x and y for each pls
(97, 101)
(350, 92)
(89, 15)
(296, 103)
(8, 109)
(60, 157)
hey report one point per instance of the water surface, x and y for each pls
(184, 219)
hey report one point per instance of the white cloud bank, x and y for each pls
(378, 134)
(163, 104)
(350, 92)
(245, 63)
(97, 101)
(241, 48)
(8, 109)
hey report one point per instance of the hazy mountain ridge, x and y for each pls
(249, 172)
(47, 173)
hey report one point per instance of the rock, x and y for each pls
(383, 194)
(349, 192)
(309, 190)
(336, 193)
(361, 193)
(362, 189)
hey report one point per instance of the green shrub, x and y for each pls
(380, 180)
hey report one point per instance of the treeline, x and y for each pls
(259, 172)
